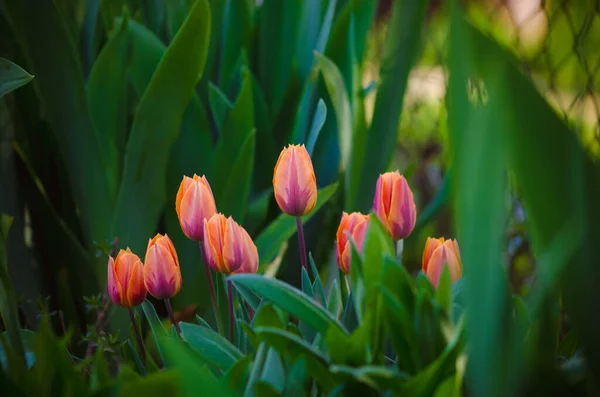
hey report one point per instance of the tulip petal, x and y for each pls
(136, 290)
(115, 291)
(430, 245)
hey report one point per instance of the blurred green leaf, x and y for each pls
(289, 344)
(26, 340)
(176, 11)
(400, 51)
(269, 241)
(334, 300)
(12, 76)
(235, 38)
(156, 127)
(49, 47)
(210, 345)
(219, 105)
(290, 299)
(263, 388)
(107, 98)
(376, 377)
(156, 326)
(316, 126)
(443, 293)
(257, 210)
(273, 372)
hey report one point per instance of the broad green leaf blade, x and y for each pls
(26, 339)
(219, 105)
(12, 76)
(317, 285)
(176, 11)
(106, 93)
(156, 128)
(238, 125)
(306, 284)
(48, 45)
(334, 81)
(334, 300)
(376, 377)
(273, 372)
(292, 346)
(317, 125)
(234, 200)
(257, 210)
(443, 293)
(281, 229)
(158, 330)
(399, 53)
(290, 299)
(235, 38)
(210, 345)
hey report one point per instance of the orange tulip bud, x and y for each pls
(394, 205)
(228, 246)
(126, 279)
(437, 253)
(355, 225)
(162, 275)
(294, 181)
(194, 203)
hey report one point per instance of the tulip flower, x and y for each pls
(126, 287)
(355, 225)
(394, 205)
(126, 279)
(295, 188)
(437, 253)
(194, 203)
(162, 275)
(228, 247)
(229, 250)
(294, 181)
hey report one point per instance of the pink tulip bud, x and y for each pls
(126, 279)
(437, 253)
(294, 181)
(354, 224)
(162, 275)
(394, 205)
(194, 203)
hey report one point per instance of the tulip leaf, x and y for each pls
(289, 299)
(12, 76)
(219, 105)
(49, 47)
(443, 293)
(236, 128)
(257, 210)
(106, 97)
(399, 53)
(158, 330)
(234, 199)
(156, 128)
(288, 344)
(317, 125)
(283, 228)
(210, 345)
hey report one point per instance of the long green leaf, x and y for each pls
(106, 97)
(156, 127)
(50, 50)
(281, 229)
(401, 47)
(290, 299)
(12, 76)
(210, 345)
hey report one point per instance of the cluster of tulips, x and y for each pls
(227, 247)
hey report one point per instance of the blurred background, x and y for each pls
(96, 145)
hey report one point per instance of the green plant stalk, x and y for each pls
(211, 289)
(138, 336)
(231, 314)
(172, 317)
(301, 244)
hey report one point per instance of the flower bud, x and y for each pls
(228, 247)
(394, 205)
(294, 181)
(355, 225)
(437, 253)
(194, 203)
(126, 279)
(162, 275)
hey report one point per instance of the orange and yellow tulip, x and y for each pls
(162, 275)
(126, 279)
(194, 203)
(228, 246)
(437, 253)
(394, 205)
(294, 181)
(355, 225)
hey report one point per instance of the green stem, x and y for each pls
(231, 314)
(138, 336)
(301, 243)
(172, 317)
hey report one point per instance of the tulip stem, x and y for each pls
(138, 336)
(301, 243)
(211, 289)
(231, 316)
(172, 317)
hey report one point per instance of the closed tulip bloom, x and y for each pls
(161, 271)
(294, 181)
(126, 279)
(394, 205)
(439, 252)
(355, 225)
(228, 246)
(194, 203)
